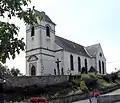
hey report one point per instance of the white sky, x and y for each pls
(83, 21)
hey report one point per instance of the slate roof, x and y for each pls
(45, 17)
(71, 46)
(93, 49)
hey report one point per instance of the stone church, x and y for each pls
(49, 54)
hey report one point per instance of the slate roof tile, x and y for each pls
(70, 46)
(93, 49)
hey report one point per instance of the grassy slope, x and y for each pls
(91, 81)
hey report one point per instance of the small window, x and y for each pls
(32, 31)
(47, 31)
(100, 54)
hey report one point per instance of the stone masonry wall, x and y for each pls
(33, 80)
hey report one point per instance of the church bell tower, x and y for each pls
(40, 41)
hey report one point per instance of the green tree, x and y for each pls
(15, 72)
(9, 42)
(4, 72)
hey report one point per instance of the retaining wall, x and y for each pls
(39, 80)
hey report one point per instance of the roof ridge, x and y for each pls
(93, 45)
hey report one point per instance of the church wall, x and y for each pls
(105, 68)
(47, 42)
(27, 67)
(101, 59)
(93, 62)
(48, 54)
(33, 52)
(40, 39)
(48, 64)
(33, 42)
(75, 59)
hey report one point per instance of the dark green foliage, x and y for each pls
(9, 42)
(83, 87)
(75, 77)
(91, 83)
(15, 72)
(107, 78)
(114, 77)
(93, 76)
(6, 73)
(90, 80)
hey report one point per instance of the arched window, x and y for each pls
(71, 62)
(55, 71)
(47, 31)
(86, 65)
(32, 31)
(62, 71)
(79, 64)
(103, 67)
(99, 66)
(100, 54)
(33, 71)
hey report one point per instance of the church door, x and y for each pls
(33, 70)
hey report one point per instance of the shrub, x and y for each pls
(90, 80)
(83, 87)
(92, 75)
(85, 77)
(114, 77)
(91, 83)
(99, 76)
(107, 78)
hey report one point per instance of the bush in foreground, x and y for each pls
(83, 87)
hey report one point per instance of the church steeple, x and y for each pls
(44, 16)
(40, 41)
